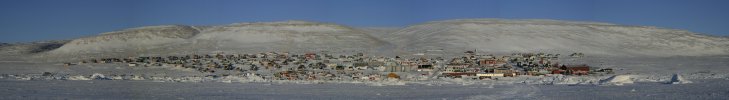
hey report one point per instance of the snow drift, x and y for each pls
(617, 80)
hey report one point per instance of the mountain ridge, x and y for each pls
(456, 36)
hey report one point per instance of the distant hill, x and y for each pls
(285, 36)
(129, 39)
(32, 47)
(510, 36)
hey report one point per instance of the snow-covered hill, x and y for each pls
(484, 35)
(508, 36)
(29, 48)
(286, 36)
(129, 39)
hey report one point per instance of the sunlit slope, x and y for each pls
(509, 36)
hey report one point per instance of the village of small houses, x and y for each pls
(322, 66)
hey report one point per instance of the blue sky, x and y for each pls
(34, 20)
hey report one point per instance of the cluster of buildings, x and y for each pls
(324, 66)
(489, 66)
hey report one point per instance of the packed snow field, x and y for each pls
(712, 89)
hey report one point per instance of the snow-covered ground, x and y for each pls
(113, 89)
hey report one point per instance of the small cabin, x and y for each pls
(427, 67)
(576, 69)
